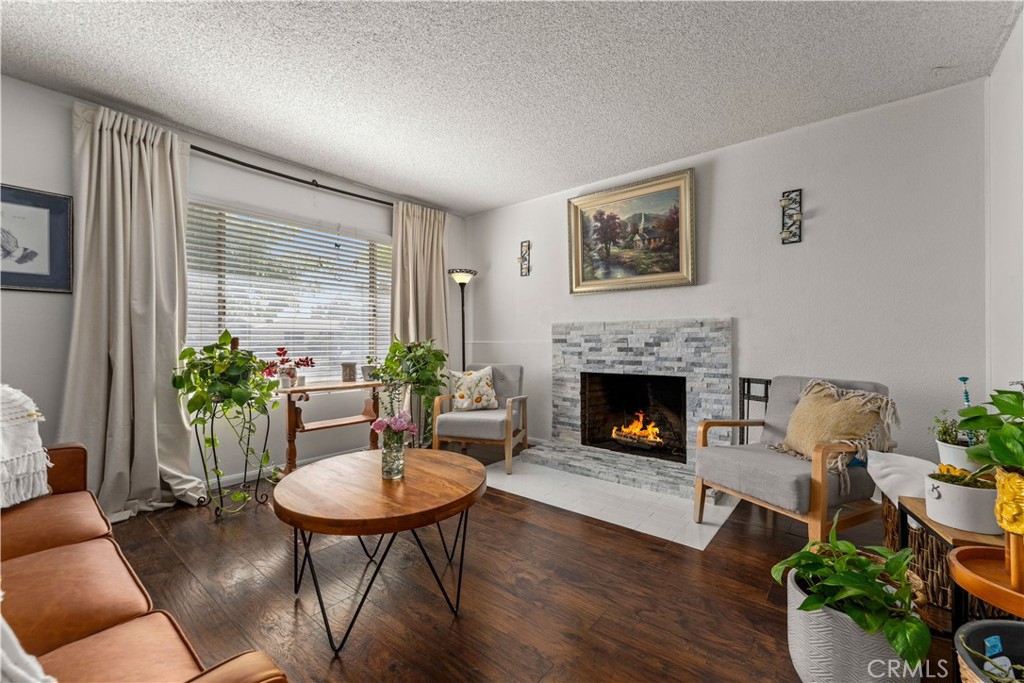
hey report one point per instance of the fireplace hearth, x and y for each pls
(639, 414)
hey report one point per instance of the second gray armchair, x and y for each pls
(504, 425)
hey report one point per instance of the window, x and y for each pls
(277, 284)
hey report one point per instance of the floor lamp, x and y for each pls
(462, 276)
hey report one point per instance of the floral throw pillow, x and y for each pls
(473, 390)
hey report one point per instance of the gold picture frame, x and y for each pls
(636, 236)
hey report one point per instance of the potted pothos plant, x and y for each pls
(1004, 450)
(848, 608)
(224, 386)
(417, 367)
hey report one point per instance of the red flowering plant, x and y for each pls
(286, 366)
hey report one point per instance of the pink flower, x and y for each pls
(399, 423)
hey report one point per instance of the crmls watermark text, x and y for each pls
(885, 668)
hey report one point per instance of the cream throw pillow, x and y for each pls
(829, 414)
(474, 390)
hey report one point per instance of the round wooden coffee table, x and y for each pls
(346, 495)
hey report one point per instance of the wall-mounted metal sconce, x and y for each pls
(792, 216)
(524, 258)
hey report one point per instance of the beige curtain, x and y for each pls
(419, 291)
(131, 190)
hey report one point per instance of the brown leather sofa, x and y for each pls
(75, 603)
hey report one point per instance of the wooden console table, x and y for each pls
(294, 395)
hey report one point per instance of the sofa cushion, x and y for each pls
(776, 478)
(67, 518)
(146, 648)
(478, 424)
(473, 390)
(16, 665)
(56, 596)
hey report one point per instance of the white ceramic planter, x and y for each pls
(956, 455)
(961, 507)
(828, 647)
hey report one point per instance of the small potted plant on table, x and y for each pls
(962, 499)
(953, 442)
(849, 611)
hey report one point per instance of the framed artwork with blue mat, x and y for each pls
(36, 240)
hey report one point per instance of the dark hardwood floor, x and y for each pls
(548, 595)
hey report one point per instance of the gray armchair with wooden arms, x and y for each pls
(504, 425)
(778, 481)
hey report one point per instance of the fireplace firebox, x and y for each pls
(640, 414)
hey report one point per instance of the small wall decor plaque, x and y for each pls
(524, 258)
(36, 240)
(633, 237)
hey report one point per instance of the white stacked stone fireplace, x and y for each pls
(698, 350)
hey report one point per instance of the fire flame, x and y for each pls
(636, 431)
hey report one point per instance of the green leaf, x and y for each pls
(813, 602)
(1009, 403)
(973, 411)
(980, 423)
(196, 402)
(240, 396)
(909, 637)
(1007, 451)
(225, 338)
(186, 353)
(178, 382)
(870, 620)
(981, 453)
(880, 550)
(846, 546)
(896, 566)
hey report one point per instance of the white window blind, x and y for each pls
(276, 284)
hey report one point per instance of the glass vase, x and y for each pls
(392, 461)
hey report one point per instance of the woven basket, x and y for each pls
(932, 565)
(967, 675)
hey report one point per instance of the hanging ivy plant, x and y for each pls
(222, 384)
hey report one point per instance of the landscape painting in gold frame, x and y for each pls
(636, 236)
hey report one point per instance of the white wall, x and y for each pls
(887, 284)
(35, 152)
(1006, 214)
(35, 327)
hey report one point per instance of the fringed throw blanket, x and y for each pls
(828, 414)
(23, 460)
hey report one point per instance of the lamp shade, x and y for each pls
(461, 275)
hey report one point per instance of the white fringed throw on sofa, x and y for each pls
(23, 460)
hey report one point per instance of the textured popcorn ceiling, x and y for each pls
(471, 106)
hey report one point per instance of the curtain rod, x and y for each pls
(311, 183)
